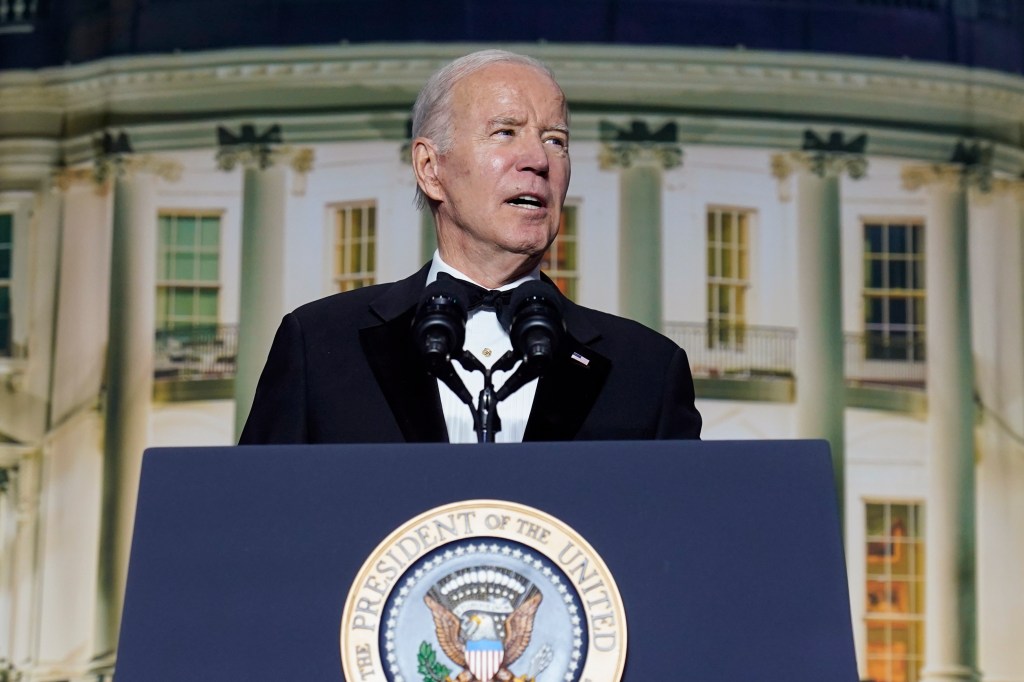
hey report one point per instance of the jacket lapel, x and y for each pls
(410, 391)
(567, 391)
(565, 394)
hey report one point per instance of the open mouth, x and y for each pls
(526, 201)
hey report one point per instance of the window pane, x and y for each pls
(892, 270)
(728, 261)
(873, 310)
(184, 267)
(188, 253)
(210, 232)
(183, 303)
(894, 609)
(898, 313)
(561, 260)
(873, 238)
(6, 228)
(874, 276)
(209, 263)
(898, 274)
(208, 304)
(877, 520)
(897, 239)
(355, 246)
(186, 232)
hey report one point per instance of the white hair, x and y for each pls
(432, 112)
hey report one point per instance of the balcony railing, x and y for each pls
(196, 353)
(735, 352)
(718, 352)
(751, 352)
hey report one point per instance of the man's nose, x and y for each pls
(533, 155)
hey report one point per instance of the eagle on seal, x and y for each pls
(479, 643)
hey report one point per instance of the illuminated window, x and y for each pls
(6, 248)
(894, 613)
(560, 262)
(894, 290)
(188, 270)
(355, 245)
(728, 246)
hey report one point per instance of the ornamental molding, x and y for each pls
(970, 167)
(638, 144)
(829, 156)
(393, 73)
(348, 92)
(625, 155)
(1013, 187)
(115, 158)
(822, 165)
(250, 149)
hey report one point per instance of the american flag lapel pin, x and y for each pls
(580, 359)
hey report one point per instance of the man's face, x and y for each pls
(503, 181)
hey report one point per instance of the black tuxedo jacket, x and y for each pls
(344, 369)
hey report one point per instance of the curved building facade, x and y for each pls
(820, 202)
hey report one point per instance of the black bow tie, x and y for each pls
(476, 297)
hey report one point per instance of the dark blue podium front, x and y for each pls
(727, 554)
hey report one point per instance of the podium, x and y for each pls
(727, 555)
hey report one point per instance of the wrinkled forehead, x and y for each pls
(509, 78)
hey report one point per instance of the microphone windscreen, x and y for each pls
(537, 324)
(439, 326)
(536, 289)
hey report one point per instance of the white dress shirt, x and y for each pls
(485, 339)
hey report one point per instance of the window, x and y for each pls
(894, 612)
(560, 262)
(355, 245)
(6, 249)
(894, 290)
(728, 244)
(188, 270)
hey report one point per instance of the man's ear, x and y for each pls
(425, 165)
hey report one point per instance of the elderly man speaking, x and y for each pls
(490, 152)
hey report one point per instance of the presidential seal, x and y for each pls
(483, 591)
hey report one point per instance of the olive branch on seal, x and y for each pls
(428, 666)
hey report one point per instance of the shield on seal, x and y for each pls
(483, 658)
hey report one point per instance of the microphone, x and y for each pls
(439, 327)
(537, 326)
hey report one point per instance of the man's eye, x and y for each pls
(505, 132)
(557, 141)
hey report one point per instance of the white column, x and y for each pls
(261, 297)
(129, 388)
(819, 364)
(997, 290)
(950, 601)
(24, 564)
(820, 380)
(641, 166)
(8, 521)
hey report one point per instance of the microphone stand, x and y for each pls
(536, 329)
(486, 421)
